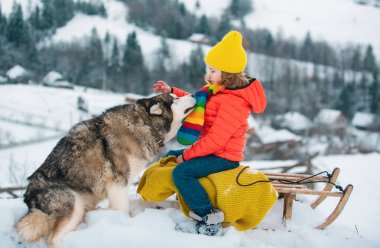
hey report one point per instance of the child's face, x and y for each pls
(213, 76)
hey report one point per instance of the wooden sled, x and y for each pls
(290, 190)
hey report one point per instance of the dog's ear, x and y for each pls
(143, 102)
(156, 109)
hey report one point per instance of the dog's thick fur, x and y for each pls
(96, 160)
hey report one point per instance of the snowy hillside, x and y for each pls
(356, 23)
(337, 21)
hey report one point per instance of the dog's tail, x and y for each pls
(34, 225)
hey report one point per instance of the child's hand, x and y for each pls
(161, 87)
(179, 159)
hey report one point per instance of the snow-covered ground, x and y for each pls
(357, 225)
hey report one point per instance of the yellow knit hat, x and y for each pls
(228, 55)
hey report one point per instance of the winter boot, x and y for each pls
(209, 229)
(210, 224)
(216, 216)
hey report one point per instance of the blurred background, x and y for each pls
(63, 61)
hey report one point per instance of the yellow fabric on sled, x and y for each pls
(244, 207)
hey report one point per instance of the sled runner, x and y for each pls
(292, 184)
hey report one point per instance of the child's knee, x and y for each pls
(179, 174)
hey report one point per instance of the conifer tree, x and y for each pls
(224, 27)
(35, 18)
(132, 57)
(133, 66)
(197, 67)
(346, 102)
(307, 50)
(240, 8)
(162, 60)
(93, 67)
(48, 15)
(203, 26)
(65, 11)
(3, 22)
(374, 92)
(369, 62)
(15, 27)
(114, 76)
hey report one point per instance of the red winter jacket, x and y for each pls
(225, 126)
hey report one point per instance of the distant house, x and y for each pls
(370, 142)
(279, 144)
(199, 38)
(51, 77)
(18, 74)
(330, 121)
(366, 121)
(55, 79)
(293, 121)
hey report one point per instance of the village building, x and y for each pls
(18, 75)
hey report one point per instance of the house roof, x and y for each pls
(268, 135)
(16, 71)
(51, 77)
(196, 37)
(362, 119)
(296, 121)
(327, 116)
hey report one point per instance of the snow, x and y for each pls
(327, 116)
(16, 72)
(14, 133)
(51, 77)
(252, 123)
(268, 135)
(362, 119)
(50, 107)
(296, 121)
(356, 226)
(339, 22)
(115, 24)
(369, 141)
(336, 21)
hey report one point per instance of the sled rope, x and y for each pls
(284, 181)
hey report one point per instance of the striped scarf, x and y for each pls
(192, 125)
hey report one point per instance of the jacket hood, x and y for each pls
(253, 93)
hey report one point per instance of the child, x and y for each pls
(220, 119)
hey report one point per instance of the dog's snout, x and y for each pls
(192, 95)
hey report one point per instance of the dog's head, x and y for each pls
(166, 111)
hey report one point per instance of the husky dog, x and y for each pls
(96, 160)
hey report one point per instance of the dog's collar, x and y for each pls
(142, 113)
